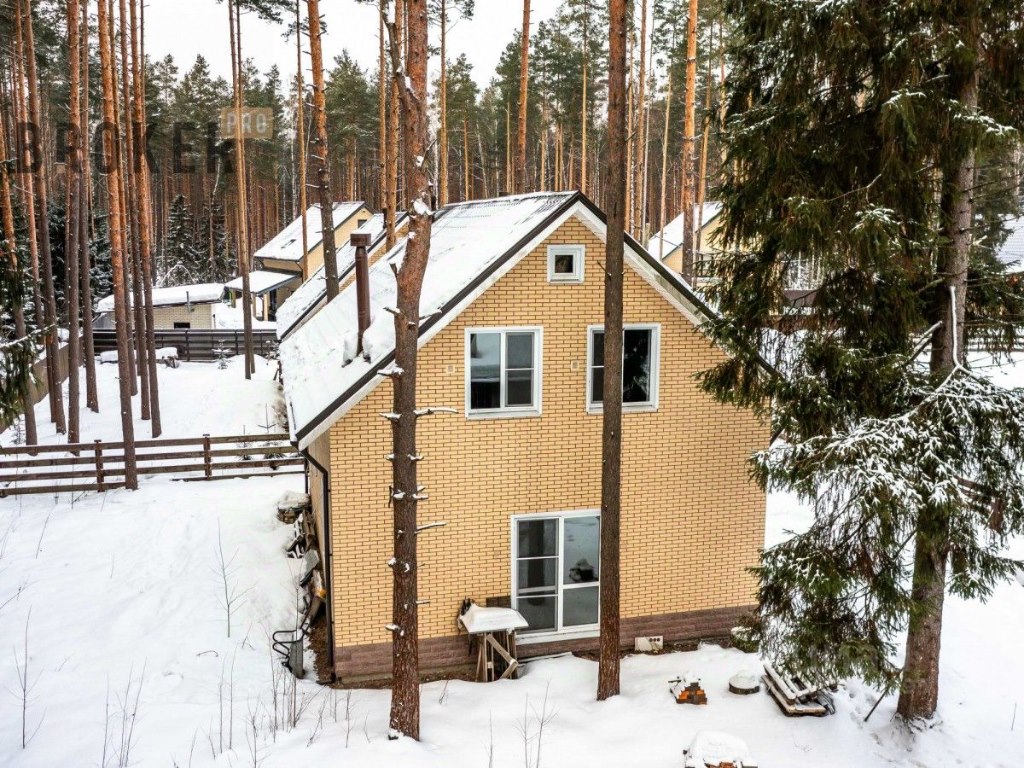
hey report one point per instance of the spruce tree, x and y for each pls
(853, 136)
(183, 259)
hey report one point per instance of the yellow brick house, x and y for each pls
(513, 297)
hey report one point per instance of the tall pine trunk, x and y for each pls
(394, 120)
(524, 85)
(49, 298)
(410, 82)
(300, 119)
(85, 215)
(662, 214)
(611, 438)
(919, 689)
(702, 173)
(640, 157)
(73, 211)
(689, 139)
(442, 137)
(585, 116)
(323, 172)
(117, 253)
(383, 91)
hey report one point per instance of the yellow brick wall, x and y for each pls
(200, 316)
(691, 522)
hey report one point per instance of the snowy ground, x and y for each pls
(124, 590)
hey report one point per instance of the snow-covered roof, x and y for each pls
(313, 291)
(673, 231)
(201, 293)
(1011, 253)
(472, 245)
(262, 281)
(287, 244)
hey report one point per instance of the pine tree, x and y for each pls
(854, 132)
(183, 259)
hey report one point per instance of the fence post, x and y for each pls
(98, 449)
(207, 458)
(188, 346)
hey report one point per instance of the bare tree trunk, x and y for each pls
(524, 85)
(300, 118)
(467, 184)
(235, 23)
(72, 230)
(509, 162)
(395, 31)
(543, 147)
(11, 259)
(611, 440)
(702, 174)
(56, 388)
(117, 244)
(411, 83)
(383, 91)
(664, 167)
(144, 218)
(689, 138)
(640, 162)
(585, 117)
(85, 214)
(323, 151)
(919, 690)
(442, 185)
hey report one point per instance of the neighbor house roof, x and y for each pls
(201, 293)
(287, 244)
(307, 296)
(472, 245)
(673, 231)
(1011, 253)
(262, 281)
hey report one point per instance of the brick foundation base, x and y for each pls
(373, 662)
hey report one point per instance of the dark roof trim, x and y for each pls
(341, 277)
(448, 307)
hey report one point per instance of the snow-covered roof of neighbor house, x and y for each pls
(201, 293)
(472, 245)
(286, 245)
(313, 291)
(1011, 253)
(262, 281)
(673, 231)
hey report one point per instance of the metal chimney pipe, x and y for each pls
(361, 241)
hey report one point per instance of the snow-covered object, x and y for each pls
(314, 290)
(673, 231)
(467, 238)
(744, 683)
(262, 281)
(1011, 253)
(715, 748)
(201, 293)
(287, 244)
(479, 619)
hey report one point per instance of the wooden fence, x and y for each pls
(198, 345)
(99, 466)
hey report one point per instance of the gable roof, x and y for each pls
(472, 246)
(286, 245)
(673, 231)
(179, 295)
(1011, 253)
(308, 296)
(262, 281)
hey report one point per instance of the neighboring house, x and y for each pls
(1011, 252)
(284, 252)
(265, 287)
(310, 296)
(511, 338)
(183, 306)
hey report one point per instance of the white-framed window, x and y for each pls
(503, 372)
(556, 578)
(565, 263)
(641, 344)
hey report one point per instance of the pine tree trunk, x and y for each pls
(524, 85)
(689, 139)
(663, 218)
(56, 387)
(919, 690)
(640, 161)
(85, 216)
(412, 87)
(467, 188)
(72, 229)
(702, 174)
(300, 118)
(11, 262)
(395, 119)
(117, 245)
(611, 439)
(585, 116)
(145, 221)
(383, 91)
(323, 151)
(442, 186)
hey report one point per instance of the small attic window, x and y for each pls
(565, 263)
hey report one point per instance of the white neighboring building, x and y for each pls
(181, 307)
(1011, 253)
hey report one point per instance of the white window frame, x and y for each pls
(526, 637)
(652, 405)
(579, 253)
(538, 360)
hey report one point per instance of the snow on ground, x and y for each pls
(195, 398)
(125, 586)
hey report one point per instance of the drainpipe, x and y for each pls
(328, 557)
(361, 241)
